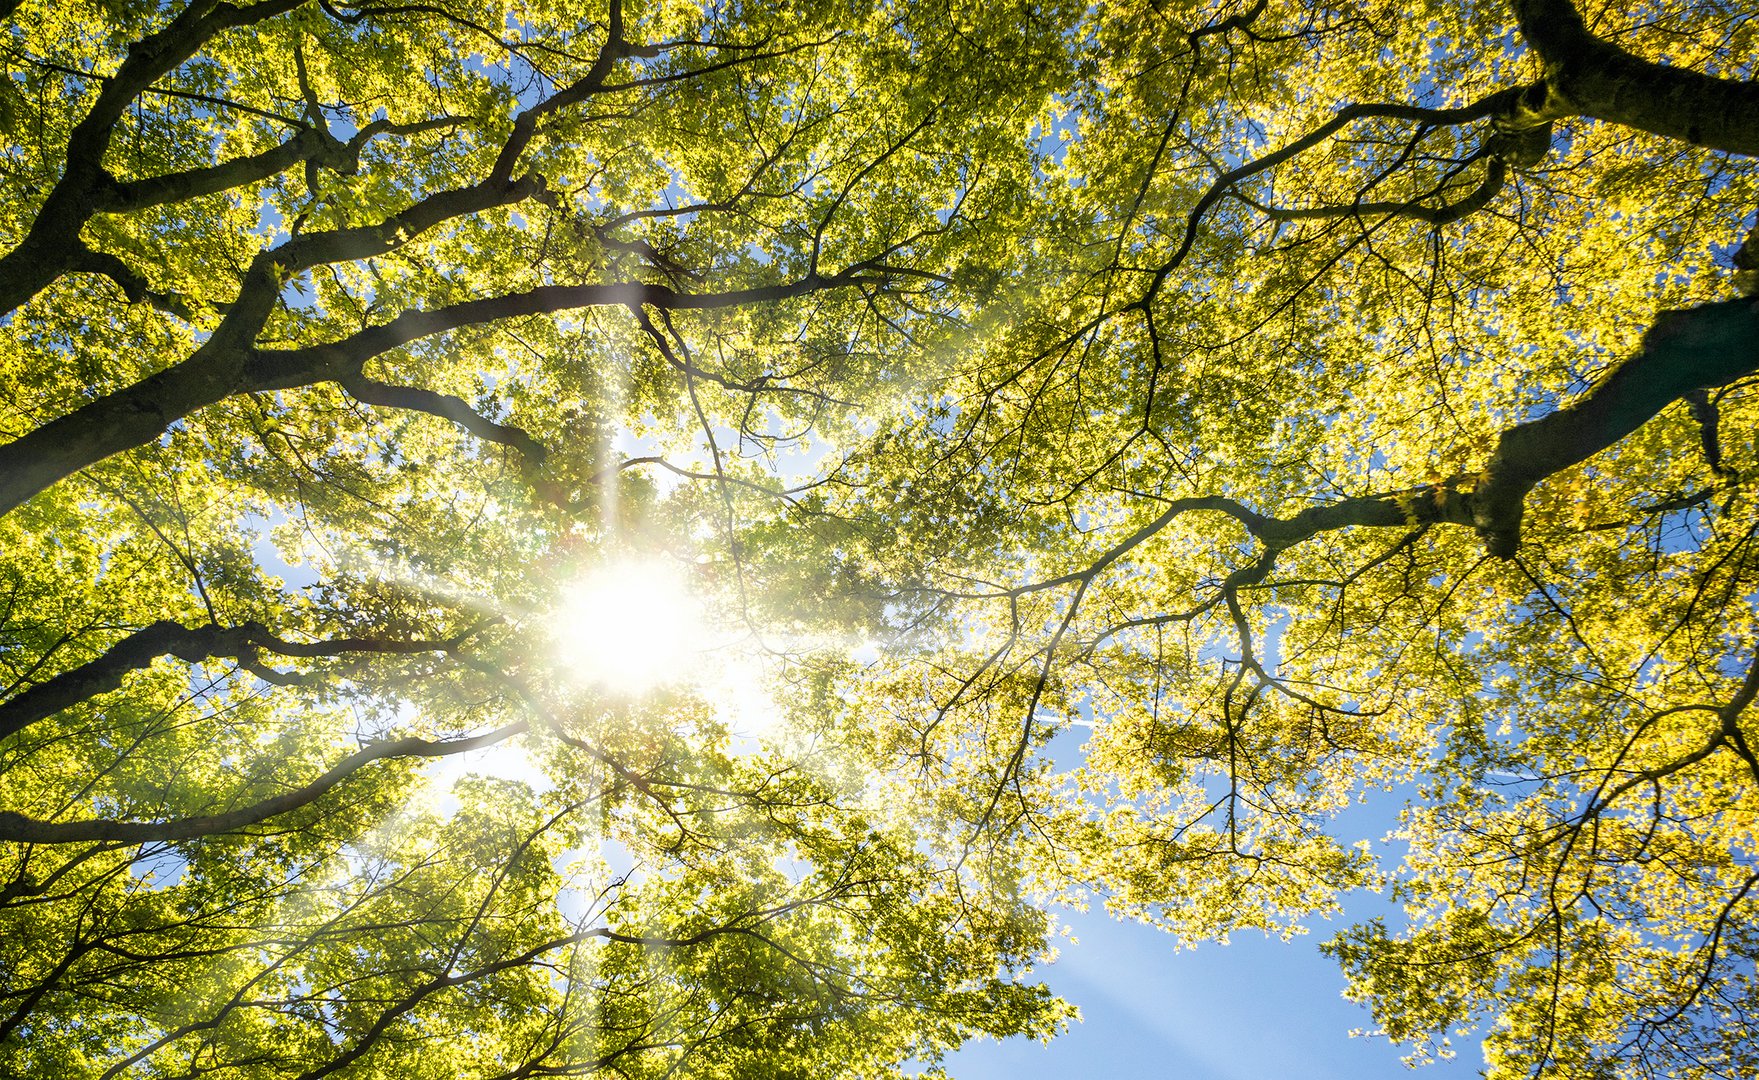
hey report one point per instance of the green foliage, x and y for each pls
(1323, 405)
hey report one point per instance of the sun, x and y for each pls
(630, 626)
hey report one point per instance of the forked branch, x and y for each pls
(28, 830)
(192, 644)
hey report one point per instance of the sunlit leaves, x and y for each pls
(629, 895)
(1088, 416)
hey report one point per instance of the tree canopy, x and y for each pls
(1311, 405)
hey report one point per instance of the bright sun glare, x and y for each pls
(630, 627)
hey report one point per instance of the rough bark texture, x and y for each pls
(1587, 76)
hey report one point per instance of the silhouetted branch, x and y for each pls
(192, 645)
(18, 827)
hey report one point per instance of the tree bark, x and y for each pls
(1691, 349)
(192, 644)
(52, 243)
(140, 413)
(27, 830)
(1587, 76)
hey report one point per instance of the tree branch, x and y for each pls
(1695, 348)
(191, 644)
(1491, 105)
(1691, 349)
(44, 253)
(134, 287)
(27, 830)
(1588, 76)
(1495, 175)
(313, 146)
(137, 414)
(449, 407)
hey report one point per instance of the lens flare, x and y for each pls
(630, 627)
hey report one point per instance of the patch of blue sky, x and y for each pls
(1254, 1007)
(595, 872)
(1051, 145)
(158, 867)
(507, 760)
(271, 225)
(1126, 1040)
(297, 295)
(172, 430)
(296, 574)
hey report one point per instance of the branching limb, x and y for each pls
(132, 284)
(1691, 349)
(192, 645)
(1484, 108)
(42, 255)
(1704, 346)
(1495, 176)
(27, 830)
(1588, 76)
(138, 414)
(449, 407)
(1704, 411)
(313, 146)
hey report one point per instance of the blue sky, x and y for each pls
(1255, 1008)
(1258, 1007)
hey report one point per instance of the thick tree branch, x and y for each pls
(45, 252)
(1709, 419)
(449, 407)
(27, 830)
(123, 197)
(1696, 348)
(133, 285)
(525, 124)
(138, 414)
(192, 644)
(1588, 76)
(532, 453)
(1691, 349)
(1495, 175)
(105, 673)
(313, 146)
(130, 417)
